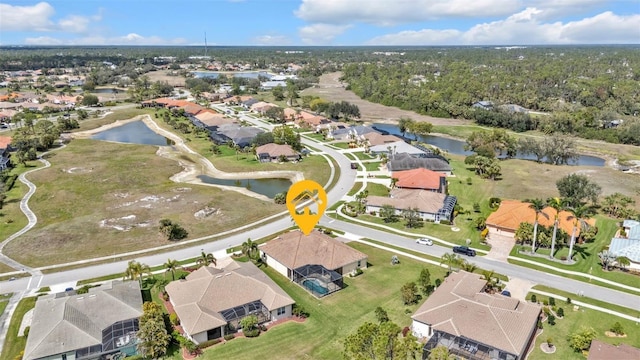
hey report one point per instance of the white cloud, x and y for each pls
(319, 34)
(527, 28)
(271, 40)
(129, 39)
(385, 13)
(26, 18)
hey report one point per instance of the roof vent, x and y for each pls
(218, 276)
(227, 274)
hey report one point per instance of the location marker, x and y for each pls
(311, 195)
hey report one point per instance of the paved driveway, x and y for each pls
(501, 246)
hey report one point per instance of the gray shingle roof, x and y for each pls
(74, 322)
(403, 161)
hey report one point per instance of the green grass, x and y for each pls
(334, 317)
(4, 301)
(14, 344)
(362, 155)
(124, 114)
(372, 166)
(316, 137)
(377, 189)
(572, 296)
(45, 289)
(340, 145)
(119, 276)
(572, 322)
(356, 187)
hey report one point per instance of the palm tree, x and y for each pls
(206, 259)
(468, 266)
(489, 276)
(136, 270)
(557, 205)
(249, 248)
(172, 266)
(449, 259)
(623, 261)
(578, 215)
(394, 181)
(537, 205)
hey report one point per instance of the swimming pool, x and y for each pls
(316, 286)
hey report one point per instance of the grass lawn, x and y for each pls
(572, 322)
(606, 305)
(377, 189)
(76, 221)
(124, 114)
(372, 166)
(13, 343)
(587, 256)
(334, 317)
(340, 145)
(4, 301)
(362, 155)
(314, 136)
(356, 187)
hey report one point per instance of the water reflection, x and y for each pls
(266, 187)
(135, 132)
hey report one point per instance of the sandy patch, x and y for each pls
(78, 170)
(124, 223)
(206, 212)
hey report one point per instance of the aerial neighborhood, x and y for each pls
(143, 202)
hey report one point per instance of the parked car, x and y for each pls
(506, 293)
(464, 250)
(424, 241)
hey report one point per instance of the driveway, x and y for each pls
(501, 246)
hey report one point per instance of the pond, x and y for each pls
(108, 91)
(456, 147)
(266, 187)
(241, 74)
(135, 132)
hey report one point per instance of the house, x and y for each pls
(375, 138)
(484, 105)
(397, 147)
(275, 153)
(352, 133)
(629, 244)
(305, 119)
(602, 351)
(423, 179)
(261, 107)
(432, 206)
(211, 120)
(5, 148)
(315, 261)
(241, 136)
(93, 325)
(513, 108)
(506, 220)
(473, 324)
(270, 85)
(211, 301)
(403, 161)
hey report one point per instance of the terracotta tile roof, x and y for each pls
(459, 308)
(425, 201)
(212, 118)
(513, 212)
(5, 141)
(603, 351)
(418, 179)
(199, 299)
(193, 109)
(275, 150)
(379, 139)
(294, 249)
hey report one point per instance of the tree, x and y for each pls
(285, 135)
(276, 114)
(615, 204)
(557, 205)
(617, 328)
(577, 189)
(524, 233)
(424, 281)
(171, 266)
(412, 218)
(136, 270)
(421, 128)
(581, 340)
(381, 315)
(280, 198)
(381, 342)
(262, 139)
(249, 248)
(292, 92)
(538, 206)
(90, 100)
(153, 339)
(172, 231)
(388, 213)
(606, 259)
(405, 124)
(409, 292)
(278, 93)
(206, 259)
(450, 259)
(441, 352)
(623, 261)
(579, 216)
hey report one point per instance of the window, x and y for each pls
(282, 310)
(359, 263)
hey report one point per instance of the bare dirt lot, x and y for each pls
(164, 75)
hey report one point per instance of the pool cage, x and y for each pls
(234, 315)
(317, 279)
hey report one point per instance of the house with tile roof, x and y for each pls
(506, 220)
(316, 261)
(433, 162)
(602, 351)
(431, 206)
(211, 301)
(422, 179)
(211, 120)
(275, 153)
(628, 245)
(71, 326)
(473, 324)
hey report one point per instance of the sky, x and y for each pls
(320, 22)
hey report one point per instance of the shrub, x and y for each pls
(551, 319)
(445, 222)
(252, 332)
(469, 181)
(550, 341)
(206, 344)
(173, 318)
(229, 337)
(545, 302)
(552, 301)
(476, 207)
(560, 312)
(19, 356)
(539, 324)
(494, 202)
(299, 311)
(616, 329)
(28, 328)
(568, 300)
(534, 298)
(405, 331)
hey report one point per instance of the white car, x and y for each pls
(424, 241)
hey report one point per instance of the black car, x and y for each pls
(464, 250)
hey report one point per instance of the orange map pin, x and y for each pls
(314, 200)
